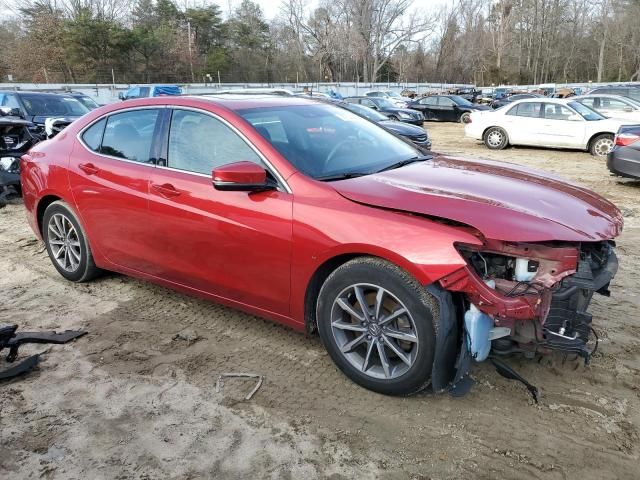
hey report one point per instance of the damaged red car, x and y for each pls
(410, 266)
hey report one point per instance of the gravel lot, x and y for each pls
(136, 398)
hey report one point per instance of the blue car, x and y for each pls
(145, 91)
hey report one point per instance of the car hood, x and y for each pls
(402, 128)
(503, 201)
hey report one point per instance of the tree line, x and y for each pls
(466, 41)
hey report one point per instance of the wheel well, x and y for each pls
(42, 206)
(315, 284)
(596, 135)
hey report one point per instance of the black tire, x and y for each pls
(601, 145)
(422, 307)
(495, 138)
(465, 117)
(86, 268)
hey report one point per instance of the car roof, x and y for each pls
(605, 95)
(560, 101)
(38, 94)
(242, 101)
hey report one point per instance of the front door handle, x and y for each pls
(89, 168)
(166, 189)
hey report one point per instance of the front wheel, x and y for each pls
(602, 145)
(496, 138)
(377, 323)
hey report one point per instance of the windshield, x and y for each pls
(460, 101)
(324, 141)
(383, 103)
(366, 112)
(88, 102)
(586, 112)
(53, 105)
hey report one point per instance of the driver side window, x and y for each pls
(199, 143)
(446, 102)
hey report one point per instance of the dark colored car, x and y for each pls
(501, 102)
(38, 107)
(409, 266)
(387, 108)
(16, 137)
(630, 91)
(145, 91)
(469, 94)
(624, 159)
(446, 108)
(415, 134)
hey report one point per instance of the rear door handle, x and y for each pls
(166, 189)
(89, 168)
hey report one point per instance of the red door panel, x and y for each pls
(235, 245)
(112, 198)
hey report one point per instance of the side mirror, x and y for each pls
(628, 109)
(10, 112)
(122, 96)
(241, 177)
(574, 118)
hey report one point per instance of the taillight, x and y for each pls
(627, 138)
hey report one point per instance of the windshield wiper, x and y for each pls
(402, 163)
(342, 176)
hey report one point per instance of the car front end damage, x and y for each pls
(533, 297)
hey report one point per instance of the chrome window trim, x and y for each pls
(266, 162)
(106, 116)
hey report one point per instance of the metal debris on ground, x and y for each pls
(12, 340)
(221, 377)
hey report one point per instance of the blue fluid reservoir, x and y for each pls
(478, 326)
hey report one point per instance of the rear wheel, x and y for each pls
(376, 322)
(601, 145)
(67, 243)
(496, 138)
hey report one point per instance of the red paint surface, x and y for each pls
(258, 251)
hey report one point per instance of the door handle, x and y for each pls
(89, 168)
(166, 189)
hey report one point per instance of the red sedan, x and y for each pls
(307, 214)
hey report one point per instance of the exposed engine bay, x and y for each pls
(17, 136)
(532, 298)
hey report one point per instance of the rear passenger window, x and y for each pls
(199, 143)
(92, 136)
(129, 135)
(528, 109)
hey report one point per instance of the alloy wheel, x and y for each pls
(374, 331)
(64, 242)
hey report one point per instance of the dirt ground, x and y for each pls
(136, 398)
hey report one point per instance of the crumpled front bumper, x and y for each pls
(554, 315)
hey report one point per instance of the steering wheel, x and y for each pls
(350, 142)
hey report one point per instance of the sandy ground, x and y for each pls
(136, 398)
